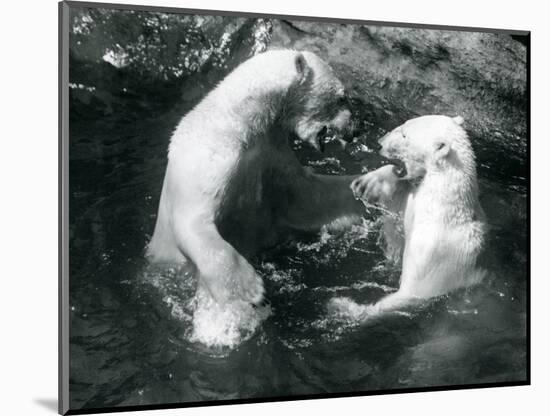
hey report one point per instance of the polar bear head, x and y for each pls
(428, 144)
(317, 107)
(289, 90)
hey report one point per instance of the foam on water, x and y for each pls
(287, 281)
(222, 328)
(335, 240)
(356, 286)
(225, 325)
(345, 307)
(215, 326)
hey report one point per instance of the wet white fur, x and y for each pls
(440, 214)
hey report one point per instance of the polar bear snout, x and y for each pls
(408, 158)
(389, 150)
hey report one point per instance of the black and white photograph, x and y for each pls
(263, 208)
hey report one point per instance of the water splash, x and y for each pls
(347, 309)
(219, 328)
(225, 325)
(335, 243)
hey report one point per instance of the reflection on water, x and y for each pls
(131, 339)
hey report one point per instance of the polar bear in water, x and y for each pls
(434, 222)
(233, 184)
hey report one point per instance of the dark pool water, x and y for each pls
(130, 323)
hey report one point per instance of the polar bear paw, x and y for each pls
(376, 185)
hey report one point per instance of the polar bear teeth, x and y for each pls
(325, 135)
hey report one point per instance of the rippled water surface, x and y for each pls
(130, 323)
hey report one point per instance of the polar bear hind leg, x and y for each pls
(228, 287)
(211, 254)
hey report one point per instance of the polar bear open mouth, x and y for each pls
(328, 134)
(399, 167)
(325, 135)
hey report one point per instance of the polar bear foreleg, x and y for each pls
(221, 269)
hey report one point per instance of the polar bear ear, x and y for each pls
(441, 149)
(302, 67)
(458, 120)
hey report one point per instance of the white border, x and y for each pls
(28, 181)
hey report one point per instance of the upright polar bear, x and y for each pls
(233, 184)
(438, 230)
